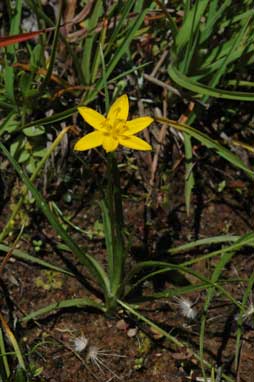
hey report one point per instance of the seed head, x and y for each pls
(249, 312)
(80, 343)
(186, 308)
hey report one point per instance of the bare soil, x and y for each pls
(130, 351)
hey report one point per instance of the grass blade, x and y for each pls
(209, 143)
(206, 241)
(197, 87)
(10, 52)
(211, 290)
(89, 42)
(118, 54)
(32, 259)
(188, 30)
(4, 365)
(71, 303)
(166, 267)
(13, 342)
(108, 237)
(246, 240)
(189, 176)
(124, 15)
(213, 17)
(54, 47)
(244, 306)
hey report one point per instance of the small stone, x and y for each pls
(122, 325)
(132, 332)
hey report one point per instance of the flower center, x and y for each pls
(115, 130)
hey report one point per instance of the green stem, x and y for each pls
(54, 48)
(116, 257)
(4, 362)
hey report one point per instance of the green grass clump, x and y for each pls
(205, 49)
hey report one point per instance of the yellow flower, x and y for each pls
(114, 129)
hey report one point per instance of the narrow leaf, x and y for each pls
(209, 143)
(71, 303)
(197, 87)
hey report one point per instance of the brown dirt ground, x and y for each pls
(48, 342)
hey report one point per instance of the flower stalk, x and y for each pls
(114, 201)
(110, 132)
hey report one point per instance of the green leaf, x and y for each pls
(39, 152)
(245, 306)
(36, 57)
(108, 236)
(14, 343)
(209, 143)
(207, 241)
(21, 255)
(245, 240)
(53, 118)
(20, 375)
(92, 22)
(213, 16)
(25, 83)
(164, 267)
(16, 146)
(53, 48)
(196, 87)
(169, 293)
(136, 23)
(24, 156)
(4, 365)
(34, 131)
(189, 176)
(225, 258)
(70, 303)
(190, 26)
(123, 17)
(9, 75)
(10, 124)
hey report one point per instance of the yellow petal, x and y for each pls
(89, 141)
(110, 143)
(119, 109)
(92, 117)
(135, 143)
(137, 124)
